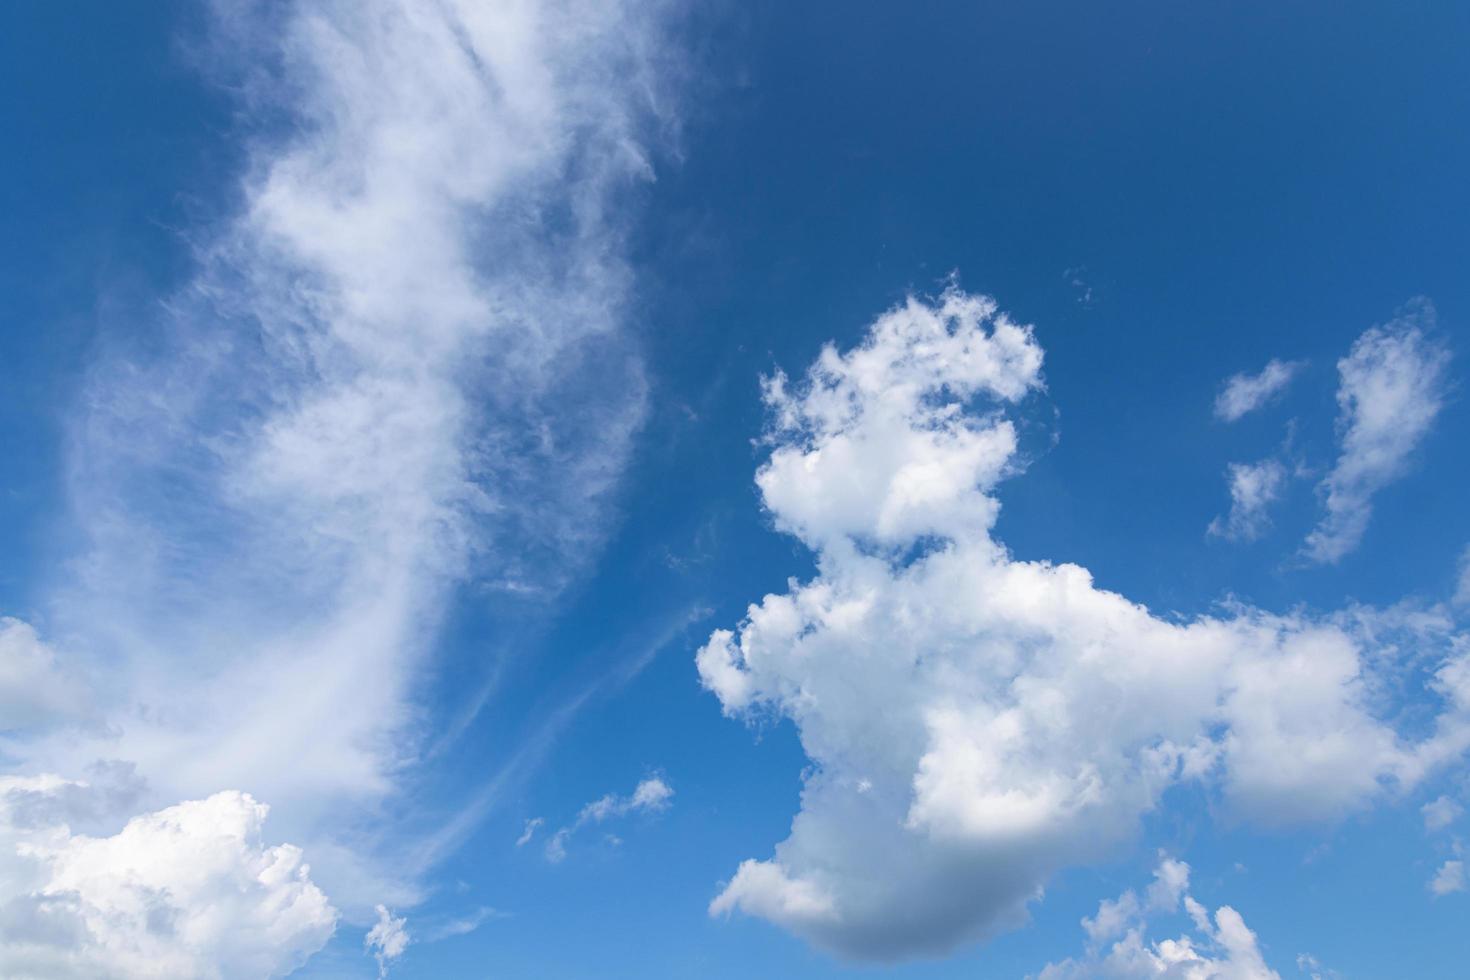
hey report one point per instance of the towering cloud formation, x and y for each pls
(413, 317)
(976, 722)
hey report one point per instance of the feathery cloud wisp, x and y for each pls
(1244, 393)
(1254, 487)
(1391, 389)
(651, 795)
(414, 316)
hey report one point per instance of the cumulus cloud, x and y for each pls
(387, 939)
(1391, 387)
(976, 722)
(651, 795)
(1253, 488)
(1448, 879)
(1222, 948)
(1244, 393)
(188, 891)
(399, 367)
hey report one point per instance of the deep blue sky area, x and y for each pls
(1171, 193)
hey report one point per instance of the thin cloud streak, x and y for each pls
(414, 318)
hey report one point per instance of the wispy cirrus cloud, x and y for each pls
(400, 367)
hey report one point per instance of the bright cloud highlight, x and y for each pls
(189, 891)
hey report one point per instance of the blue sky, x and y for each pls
(389, 385)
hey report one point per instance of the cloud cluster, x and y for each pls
(188, 891)
(1223, 947)
(976, 722)
(1391, 387)
(36, 692)
(1244, 393)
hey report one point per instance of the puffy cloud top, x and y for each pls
(978, 722)
(1244, 393)
(190, 891)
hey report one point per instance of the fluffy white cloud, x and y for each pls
(399, 367)
(1449, 878)
(1391, 387)
(1222, 949)
(651, 795)
(387, 939)
(1253, 488)
(1244, 393)
(191, 891)
(976, 722)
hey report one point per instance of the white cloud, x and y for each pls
(1115, 916)
(532, 825)
(463, 925)
(1244, 393)
(1222, 949)
(1440, 813)
(651, 795)
(1462, 584)
(1449, 878)
(188, 891)
(399, 367)
(35, 692)
(1313, 968)
(1391, 388)
(976, 723)
(387, 939)
(1253, 488)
